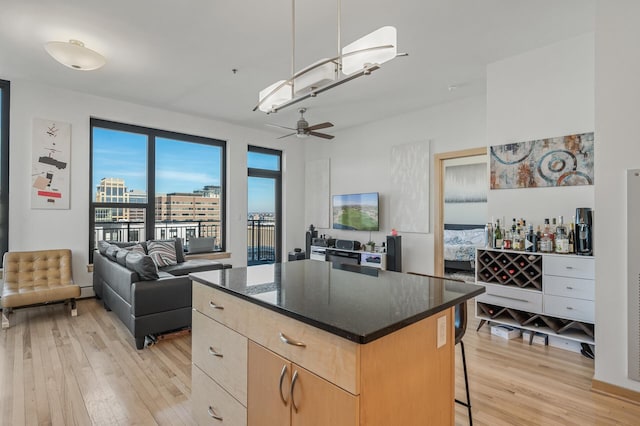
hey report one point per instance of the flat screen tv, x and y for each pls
(356, 212)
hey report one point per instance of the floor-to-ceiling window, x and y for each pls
(154, 184)
(264, 195)
(4, 167)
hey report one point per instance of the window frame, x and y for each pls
(5, 87)
(150, 205)
(277, 176)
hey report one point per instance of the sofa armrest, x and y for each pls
(164, 294)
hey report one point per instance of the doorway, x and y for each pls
(441, 162)
(264, 195)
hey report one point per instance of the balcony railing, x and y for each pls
(135, 231)
(261, 241)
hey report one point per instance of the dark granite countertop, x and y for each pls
(360, 304)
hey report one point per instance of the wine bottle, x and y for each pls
(572, 239)
(531, 243)
(497, 235)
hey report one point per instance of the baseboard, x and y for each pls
(615, 391)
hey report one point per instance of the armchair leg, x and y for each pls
(5, 319)
(74, 310)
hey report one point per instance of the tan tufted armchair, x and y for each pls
(37, 277)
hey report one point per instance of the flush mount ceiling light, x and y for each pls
(359, 58)
(74, 54)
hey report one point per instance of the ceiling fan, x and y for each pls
(303, 129)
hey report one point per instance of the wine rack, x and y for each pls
(518, 269)
(533, 321)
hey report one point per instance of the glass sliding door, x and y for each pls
(264, 206)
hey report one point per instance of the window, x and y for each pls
(145, 184)
(4, 167)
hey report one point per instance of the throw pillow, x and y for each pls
(137, 248)
(111, 252)
(121, 257)
(163, 253)
(143, 265)
(103, 246)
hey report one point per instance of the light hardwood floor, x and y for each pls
(59, 370)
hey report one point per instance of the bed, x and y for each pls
(460, 243)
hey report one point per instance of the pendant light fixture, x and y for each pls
(75, 55)
(359, 58)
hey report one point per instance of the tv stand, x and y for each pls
(355, 257)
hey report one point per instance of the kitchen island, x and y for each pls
(309, 343)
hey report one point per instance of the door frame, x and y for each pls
(438, 221)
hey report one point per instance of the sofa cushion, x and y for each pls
(137, 248)
(111, 252)
(178, 244)
(143, 265)
(163, 253)
(192, 265)
(103, 246)
(121, 256)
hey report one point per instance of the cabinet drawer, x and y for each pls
(224, 308)
(569, 287)
(524, 300)
(208, 399)
(327, 355)
(569, 266)
(221, 353)
(565, 307)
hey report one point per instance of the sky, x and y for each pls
(180, 166)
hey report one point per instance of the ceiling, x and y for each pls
(179, 55)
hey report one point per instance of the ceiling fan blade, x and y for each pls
(285, 136)
(279, 126)
(319, 126)
(321, 135)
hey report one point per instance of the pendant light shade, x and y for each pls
(75, 55)
(377, 47)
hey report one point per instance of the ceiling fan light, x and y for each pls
(315, 75)
(353, 62)
(302, 135)
(269, 100)
(75, 55)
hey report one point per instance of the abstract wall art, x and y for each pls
(50, 164)
(559, 161)
(409, 198)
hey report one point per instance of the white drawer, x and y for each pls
(569, 287)
(221, 353)
(565, 307)
(208, 400)
(508, 297)
(222, 307)
(569, 266)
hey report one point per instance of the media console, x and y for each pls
(356, 257)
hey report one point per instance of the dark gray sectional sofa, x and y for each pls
(146, 299)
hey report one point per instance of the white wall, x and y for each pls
(547, 92)
(360, 162)
(39, 229)
(617, 91)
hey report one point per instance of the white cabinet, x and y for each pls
(550, 293)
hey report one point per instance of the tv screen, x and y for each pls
(356, 212)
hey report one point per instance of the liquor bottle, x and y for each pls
(516, 240)
(506, 240)
(497, 236)
(562, 238)
(552, 234)
(546, 245)
(572, 239)
(539, 235)
(531, 243)
(514, 225)
(488, 235)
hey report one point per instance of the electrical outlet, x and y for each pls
(442, 331)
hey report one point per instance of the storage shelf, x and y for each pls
(515, 269)
(567, 329)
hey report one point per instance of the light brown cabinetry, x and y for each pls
(284, 393)
(275, 370)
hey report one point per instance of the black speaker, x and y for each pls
(348, 244)
(394, 253)
(307, 244)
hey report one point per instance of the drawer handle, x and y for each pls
(569, 308)
(290, 341)
(293, 385)
(569, 287)
(510, 298)
(214, 306)
(213, 413)
(214, 352)
(569, 267)
(282, 374)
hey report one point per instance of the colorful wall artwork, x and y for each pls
(50, 164)
(560, 161)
